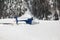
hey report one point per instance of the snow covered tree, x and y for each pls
(12, 8)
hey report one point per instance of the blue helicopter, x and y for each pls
(28, 21)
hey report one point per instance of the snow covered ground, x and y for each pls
(45, 30)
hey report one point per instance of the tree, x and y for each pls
(58, 1)
(40, 9)
(13, 8)
(1, 7)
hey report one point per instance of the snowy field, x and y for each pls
(45, 30)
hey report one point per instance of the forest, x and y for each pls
(41, 9)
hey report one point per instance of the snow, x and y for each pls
(9, 20)
(45, 30)
(26, 15)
